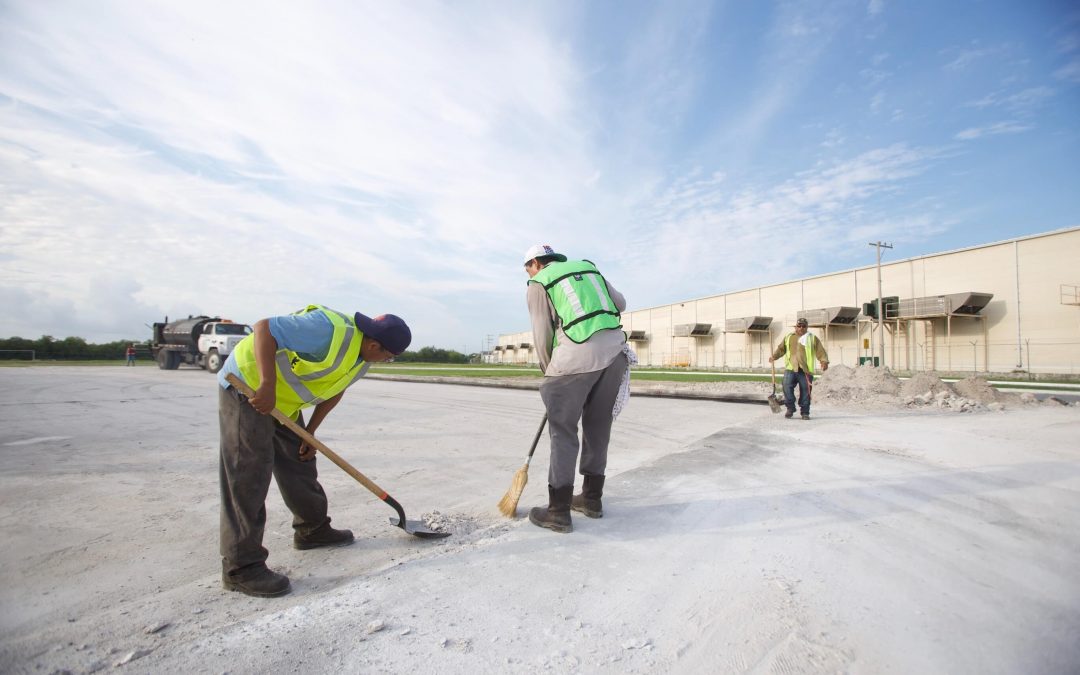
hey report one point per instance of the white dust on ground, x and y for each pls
(733, 540)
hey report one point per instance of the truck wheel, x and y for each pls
(168, 360)
(214, 362)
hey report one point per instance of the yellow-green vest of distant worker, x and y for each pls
(580, 297)
(809, 352)
(302, 383)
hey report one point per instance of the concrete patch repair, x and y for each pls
(911, 526)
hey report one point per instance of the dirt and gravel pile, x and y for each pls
(867, 386)
(860, 386)
(927, 389)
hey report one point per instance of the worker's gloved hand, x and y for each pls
(824, 367)
(264, 399)
(307, 452)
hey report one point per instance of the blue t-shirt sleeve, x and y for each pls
(309, 335)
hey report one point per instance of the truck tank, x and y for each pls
(185, 332)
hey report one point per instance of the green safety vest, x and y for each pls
(580, 297)
(809, 352)
(301, 383)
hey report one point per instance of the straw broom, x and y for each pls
(508, 504)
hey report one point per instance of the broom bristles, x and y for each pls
(508, 504)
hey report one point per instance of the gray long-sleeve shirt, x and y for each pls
(570, 358)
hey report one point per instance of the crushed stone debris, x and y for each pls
(454, 523)
(374, 626)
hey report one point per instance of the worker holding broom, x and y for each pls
(292, 362)
(576, 328)
(799, 350)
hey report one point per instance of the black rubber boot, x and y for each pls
(259, 582)
(322, 536)
(556, 515)
(588, 502)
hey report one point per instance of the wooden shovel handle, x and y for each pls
(300, 431)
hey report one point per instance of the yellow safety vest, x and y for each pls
(300, 383)
(809, 352)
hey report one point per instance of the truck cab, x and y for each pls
(217, 341)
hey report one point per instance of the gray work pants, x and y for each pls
(254, 447)
(588, 397)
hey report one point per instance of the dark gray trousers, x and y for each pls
(588, 398)
(254, 447)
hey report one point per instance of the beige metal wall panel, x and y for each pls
(782, 302)
(830, 291)
(744, 303)
(1045, 264)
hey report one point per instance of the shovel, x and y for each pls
(774, 404)
(413, 527)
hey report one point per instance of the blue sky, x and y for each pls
(247, 159)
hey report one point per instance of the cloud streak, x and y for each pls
(248, 159)
(1006, 127)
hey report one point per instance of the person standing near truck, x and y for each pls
(292, 362)
(576, 328)
(799, 350)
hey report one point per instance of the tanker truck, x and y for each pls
(202, 341)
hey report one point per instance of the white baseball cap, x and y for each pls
(543, 250)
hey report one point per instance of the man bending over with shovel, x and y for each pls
(292, 362)
(799, 350)
(576, 329)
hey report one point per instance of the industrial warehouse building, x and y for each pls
(996, 308)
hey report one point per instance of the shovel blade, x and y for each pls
(774, 405)
(418, 529)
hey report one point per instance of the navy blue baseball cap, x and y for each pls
(390, 330)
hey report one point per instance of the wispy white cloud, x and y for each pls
(345, 150)
(1021, 102)
(741, 235)
(1007, 127)
(875, 7)
(964, 58)
(877, 102)
(1070, 72)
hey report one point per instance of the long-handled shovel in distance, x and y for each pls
(413, 527)
(774, 404)
(508, 504)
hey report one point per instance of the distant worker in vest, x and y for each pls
(130, 354)
(799, 350)
(292, 362)
(575, 314)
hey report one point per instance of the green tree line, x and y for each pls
(68, 349)
(432, 355)
(77, 349)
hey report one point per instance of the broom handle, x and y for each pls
(304, 435)
(536, 439)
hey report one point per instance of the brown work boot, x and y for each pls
(322, 536)
(588, 502)
(556, 515)
(259, 582)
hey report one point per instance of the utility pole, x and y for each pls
(880, 309)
